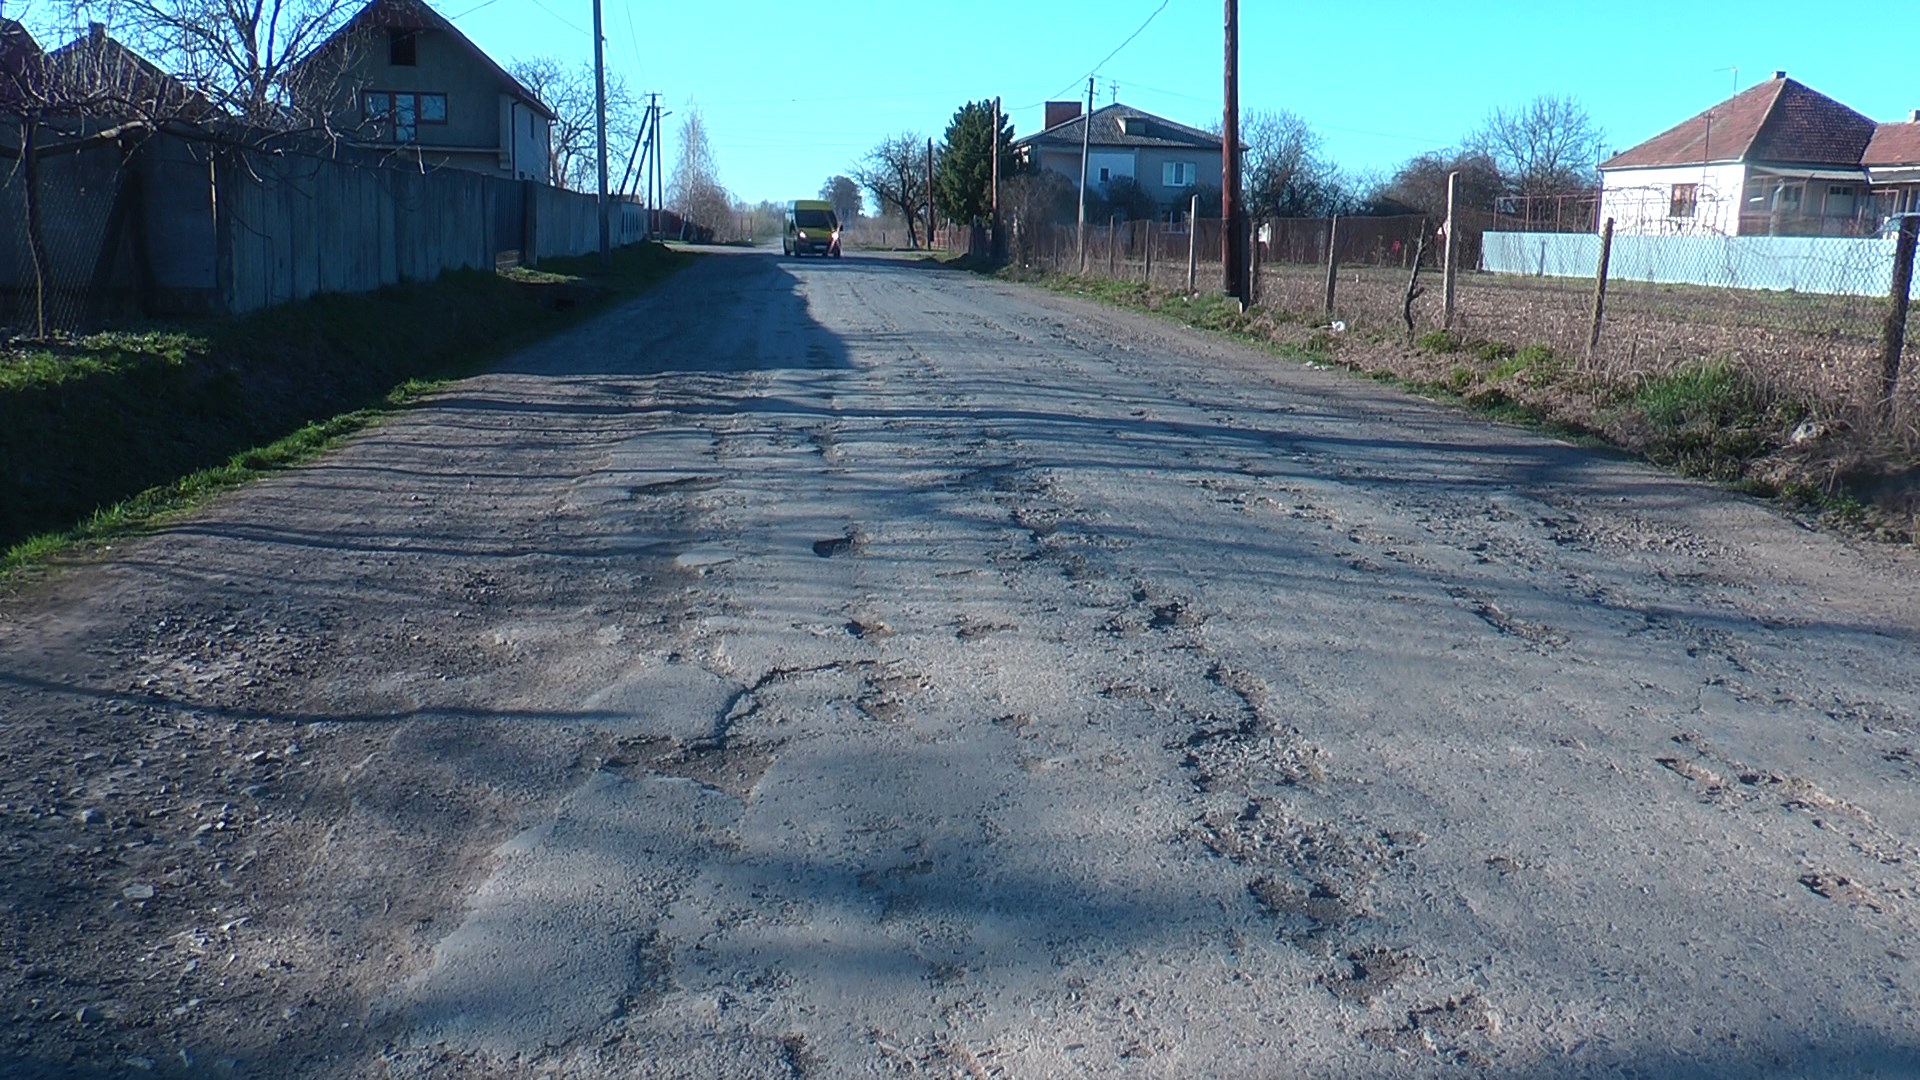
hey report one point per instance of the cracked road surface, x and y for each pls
(838, 669)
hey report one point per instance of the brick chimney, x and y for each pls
(1916, 116)
(1779, 74)
(1059, 112)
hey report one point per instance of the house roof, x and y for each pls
(1108, 130)
(1780, 120)
(20, 58)
(417, 15)
(1893, 145)
(97, 74)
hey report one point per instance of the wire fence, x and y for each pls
(1804, 318)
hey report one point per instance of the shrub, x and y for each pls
(1440, 341)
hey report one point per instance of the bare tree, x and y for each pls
(1286, 173)
(1549, 145)
(567, 89)
(694, 191)
(253, 59)
(1419, 185)
(895, 172)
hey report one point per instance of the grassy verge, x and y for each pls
(104, 436)
(1707, 419)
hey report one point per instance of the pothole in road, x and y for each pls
(735, 768)
(678, 483)
(1365, 974)
(837, 545)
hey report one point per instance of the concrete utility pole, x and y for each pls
(1447, 254)
(1086, 141)
(600, 135)
(993, 198)
(659, 168)
(1233, 229)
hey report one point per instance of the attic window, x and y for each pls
(1133, 125)
(403, 48)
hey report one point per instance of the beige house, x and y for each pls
(1776, 159)
(408, 83)
(1167, 159)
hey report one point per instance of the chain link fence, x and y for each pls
(1802, 317)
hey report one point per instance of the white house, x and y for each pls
(1777, 159)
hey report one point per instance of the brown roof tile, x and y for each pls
(1894, 144)
(1107, 131)
(1780, 120)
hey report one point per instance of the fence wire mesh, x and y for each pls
(1802, 317)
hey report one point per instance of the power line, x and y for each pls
(1095, 70)
(562, 18)
(474, 8)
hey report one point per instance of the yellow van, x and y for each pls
(811, 226)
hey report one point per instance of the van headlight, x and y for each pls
(803, 234)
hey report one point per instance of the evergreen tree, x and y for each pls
(963, 174)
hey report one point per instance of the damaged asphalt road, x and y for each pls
(833, 669)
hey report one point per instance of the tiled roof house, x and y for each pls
(1166, 158)
(1778, 158)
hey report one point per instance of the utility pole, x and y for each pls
(1446, 258)
(993, 199)
(929, 194)
(1233, 230)
(600, 135)
(1086, 140)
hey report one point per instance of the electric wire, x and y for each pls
(1095, 70)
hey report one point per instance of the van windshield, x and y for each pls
(814, 219)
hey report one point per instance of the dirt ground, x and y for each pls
(831, 669)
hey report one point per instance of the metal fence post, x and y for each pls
(1333, 259)
(1254, 262)
(1193, 245)
(1893, 336)
(1600, 288)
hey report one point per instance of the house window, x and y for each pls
(1106, 174)
(397, 116)
(403, 48)
(1177, 174)
(1685, 200)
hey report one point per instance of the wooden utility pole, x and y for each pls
(929, 194)
(1233, 230)
(1600, 288)
(1086, 143)
(1446, 254)
(1893, 336)
(1333, 260)
(600, 137)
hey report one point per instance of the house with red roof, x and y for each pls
(1776, 159)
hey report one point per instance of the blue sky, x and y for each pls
(794, 92)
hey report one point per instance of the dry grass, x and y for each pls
(1775, 392)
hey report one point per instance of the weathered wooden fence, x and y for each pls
(186, 225)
